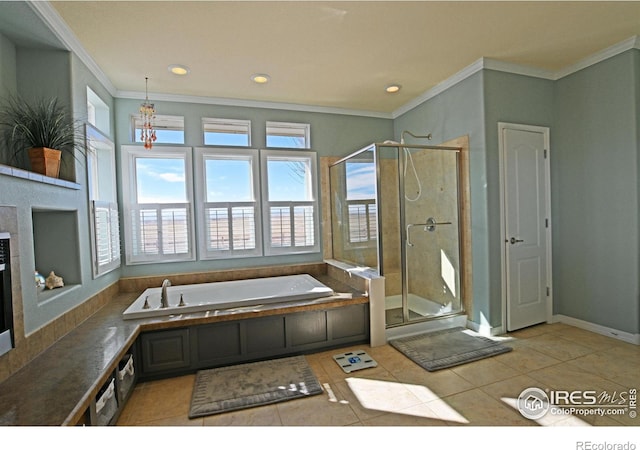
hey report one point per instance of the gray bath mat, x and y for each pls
(245, 385)
(447, 348)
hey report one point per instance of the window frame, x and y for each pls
(103, 203)
(292, 155)
(98, 112)
(239, 124)
(160, 122)
(252, 155)
(304, 127)
(129, 155)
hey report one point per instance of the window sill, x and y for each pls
(26, 175)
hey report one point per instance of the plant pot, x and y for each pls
(45, 161)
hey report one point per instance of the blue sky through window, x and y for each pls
(160, 180)
(289, 180)
(285, 141)
(163, 180)
(229, 180)
(232, 139)
(165, 136)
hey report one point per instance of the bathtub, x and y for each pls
(227, 294)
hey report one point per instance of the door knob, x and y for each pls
(514, 240)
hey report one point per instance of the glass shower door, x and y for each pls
(430, 212)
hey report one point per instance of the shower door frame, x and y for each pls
(403, 230)
(377, 187)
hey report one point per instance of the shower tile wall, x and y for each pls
(434, 258)
(389, 210)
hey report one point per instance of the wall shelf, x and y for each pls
(32, 176)
(48, 295)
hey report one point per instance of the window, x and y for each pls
(227, 183)
(361, 201)
(226, 132)
(169, 129)
(97, 112)
(158, 204)
(288, 135)
(105, 228)
(290, 204)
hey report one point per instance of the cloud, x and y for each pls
(171, 177)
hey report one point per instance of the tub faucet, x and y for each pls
(164, 300)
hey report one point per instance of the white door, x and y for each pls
(526, 234)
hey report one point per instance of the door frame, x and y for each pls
(503, 237)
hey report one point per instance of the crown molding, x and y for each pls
(477, 66)
(616, 49)
(160, 97)
(493, 64)
(52, 19)
(440, 87)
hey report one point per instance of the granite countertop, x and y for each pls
(58, 386)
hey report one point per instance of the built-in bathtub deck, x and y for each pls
(58, 386)
(225, 295)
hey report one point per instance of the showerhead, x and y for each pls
(428, 136)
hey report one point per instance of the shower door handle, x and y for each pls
(429, 225)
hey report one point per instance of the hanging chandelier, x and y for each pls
(147, 116)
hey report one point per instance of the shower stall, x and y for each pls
(396, 209)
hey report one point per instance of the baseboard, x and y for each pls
(595, 328)
(485, 330)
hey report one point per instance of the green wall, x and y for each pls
(8, 82)
(595, 194)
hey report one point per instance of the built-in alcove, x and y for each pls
(56, 248)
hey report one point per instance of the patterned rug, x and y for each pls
(245, 385)
(447, 348)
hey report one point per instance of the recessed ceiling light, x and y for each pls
(178, 69)
(260, 78)
(392, 88)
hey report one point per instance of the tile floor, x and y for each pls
(400, 393)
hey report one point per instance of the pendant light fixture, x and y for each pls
(147, 116)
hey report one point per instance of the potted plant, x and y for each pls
(43, 129)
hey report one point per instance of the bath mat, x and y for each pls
(355, 360)
(447, 348)
(252, 384)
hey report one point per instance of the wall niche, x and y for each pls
(56, 249)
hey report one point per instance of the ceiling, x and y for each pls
(334, 54)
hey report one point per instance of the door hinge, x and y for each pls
(546, 223)
(548, 291)
(545, 153)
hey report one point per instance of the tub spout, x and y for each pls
(164, 300)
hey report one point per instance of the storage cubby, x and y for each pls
(126, 377)
(104, 410)
(56, 248)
